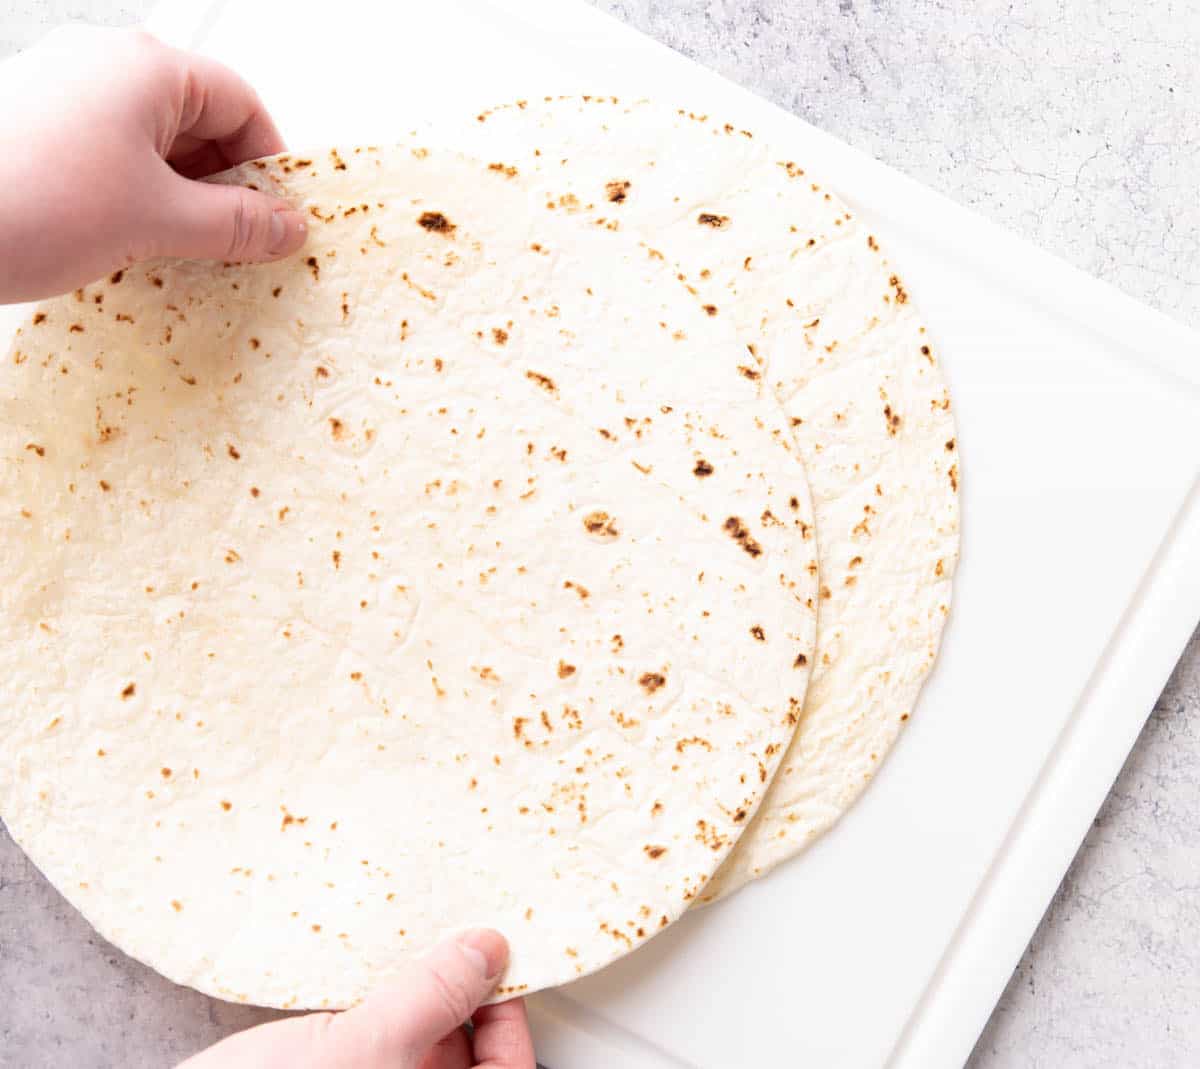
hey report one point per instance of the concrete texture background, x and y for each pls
(1072, 122)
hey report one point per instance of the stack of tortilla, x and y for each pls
(558, 541)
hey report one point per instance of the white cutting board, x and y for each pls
(1079, 426)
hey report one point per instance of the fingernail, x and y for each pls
(487, 950)
(288, 231)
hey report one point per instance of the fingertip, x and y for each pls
(502, 1038)
(289, 232)
(487, 948)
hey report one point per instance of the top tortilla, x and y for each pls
(453, 572)
(805, 281)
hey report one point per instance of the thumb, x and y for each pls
(205, 221)
(432, 998)
(395, 1027)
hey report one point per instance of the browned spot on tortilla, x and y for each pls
(617, 190)
(227, 806)
(710, 309)
(339, 164)
(39, 449)
(651, 681)
(337, 428)
(800, 661)
(579, 589)
(129, 691)
(739, 816)
(232, 450)
(75, 328)
(949, 446)
(749, 373)
(938, 568)
(499, 335)
(740, 533)
(115, 277)
(893, 420)
(176, 905)
(504, 169)
(565, 671)
(314, 267)
(435, 223)
(953, 473)
(39, 318)
(654, 852)
(601, 524)
(544, 381)
(695, 740)
(337, 558)
(717, 222)
(702, 469)
(758, 633)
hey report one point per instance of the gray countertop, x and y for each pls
(1072, 122)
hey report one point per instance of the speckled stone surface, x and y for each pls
(1076, 124)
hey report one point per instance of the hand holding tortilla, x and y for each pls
(110, 129)
(412, 1024)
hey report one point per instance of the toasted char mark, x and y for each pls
(129, 691)
(544, 381)
(703, 469)
(617, 190)
(800, 661)
(651, 681)
(740, 533)
(436, 223)
(695, 740)
(601, 524)
(717, 222)
(654, 852)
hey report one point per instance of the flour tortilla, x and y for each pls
(806, 282)
(449, 573)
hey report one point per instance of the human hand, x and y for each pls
(102, 133)
(414, 1023)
